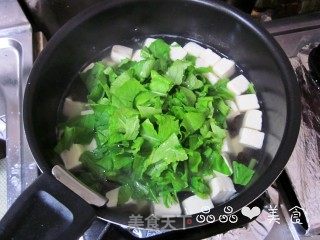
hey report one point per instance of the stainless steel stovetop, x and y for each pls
(16, 58)
(18, 169)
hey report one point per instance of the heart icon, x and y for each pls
(250, 213)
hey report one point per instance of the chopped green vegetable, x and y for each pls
(149, 133)
(192, 82)
(160, 49)
(159, 127)
(125, 193)
(192, 121)
(125, 88)
(241, 173)
(143, 69)
(168, 152)
(159, 84)
(194, 161)
(167, 125)
(200, 187)
(251, 89)
(148, 104)
(176, 71)
(66, 140)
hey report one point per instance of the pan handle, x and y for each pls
(47, 210)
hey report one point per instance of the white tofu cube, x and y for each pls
(252, 119)
(86, 112)
(108, 61)
(91, 146)
(148, 42)
(224, 68)
(222, 189)
(251, 138)
(226, 147)
(247, 102)
(177, 53)
(236, 146)
(137, 56)
(231, 146)
(238, 85)
(210, 57)
(160, 210)
(72, 108)
(201, 63)
(71, 157)
(193, 49)
(234, 111)
(194, 204)
(112, 196)
(119, 53)
(213, 79)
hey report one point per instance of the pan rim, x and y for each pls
(292, 91)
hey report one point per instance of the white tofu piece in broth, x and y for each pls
(238, 85)
(201, 63)
(247, 102)
(177, 52)
(236, 146)
(86, 112)
(137, 56)
(224, 68)
(234, 111)
(253, 119)
(148, 42)
(160, 210)
(209, 57)
(72, 108)
(222, 189)
(112, 196)
(70, 157)
(108, 61)
(213, 79)
(193, 49)
(226, 147)
(91, 146)
(194, 204)
(119, 53)
(251, 138)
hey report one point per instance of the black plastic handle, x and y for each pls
(47, 210)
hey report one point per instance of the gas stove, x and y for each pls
(297, 188)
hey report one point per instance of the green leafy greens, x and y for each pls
(159, 126)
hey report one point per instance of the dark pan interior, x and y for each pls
(129, 22)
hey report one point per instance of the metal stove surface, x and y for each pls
(15, 64)
(300, 183)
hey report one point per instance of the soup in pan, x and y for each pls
(162, 120)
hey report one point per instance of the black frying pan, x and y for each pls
(49, 210)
